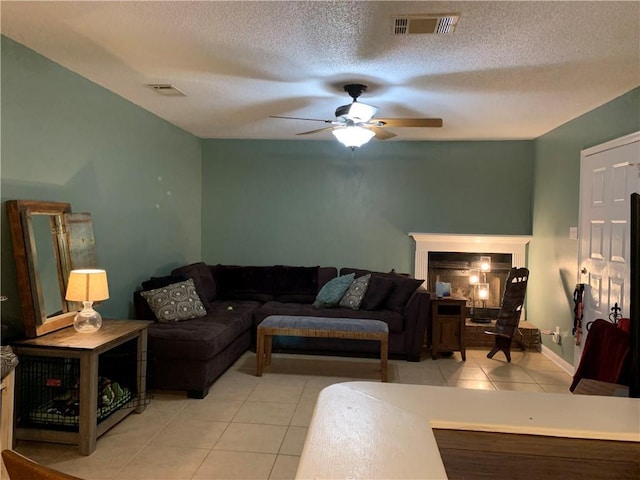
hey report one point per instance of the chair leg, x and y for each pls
(502, 344)
(507, 353)
(493, 351)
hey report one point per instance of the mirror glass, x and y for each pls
(43, 263)
(47, 264)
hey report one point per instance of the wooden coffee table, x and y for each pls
(324, 327)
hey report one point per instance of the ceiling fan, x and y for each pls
(355, 124)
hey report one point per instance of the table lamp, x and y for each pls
(474, 279)
(483, 295)
(485, 264)
(87, 286)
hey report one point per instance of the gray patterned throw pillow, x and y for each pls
(175, 302)
(355, 293)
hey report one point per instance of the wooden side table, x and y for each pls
(6, 420)
(448, 315)
(67, 343)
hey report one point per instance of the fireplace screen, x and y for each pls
(484, 293)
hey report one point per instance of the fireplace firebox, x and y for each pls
(459, 268)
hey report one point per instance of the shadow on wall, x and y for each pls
(568, 279)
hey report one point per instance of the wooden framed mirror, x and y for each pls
(48, 242)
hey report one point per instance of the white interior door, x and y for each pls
(609, 173)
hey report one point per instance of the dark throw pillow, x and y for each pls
(405, 286)
(378, 291)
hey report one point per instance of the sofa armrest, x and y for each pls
(416, 318)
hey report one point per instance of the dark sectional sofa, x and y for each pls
(191, 354)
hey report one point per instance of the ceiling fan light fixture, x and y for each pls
(353, 136)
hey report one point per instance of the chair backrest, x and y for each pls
(606, 355)
(20, 467)
(512, 302)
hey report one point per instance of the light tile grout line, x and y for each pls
(145, 444)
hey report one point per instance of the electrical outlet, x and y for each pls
(556, 336)
(573, 233)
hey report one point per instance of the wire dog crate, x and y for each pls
(49, 388)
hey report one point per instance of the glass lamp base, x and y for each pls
(87, 320)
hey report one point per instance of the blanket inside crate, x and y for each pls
(65, 409)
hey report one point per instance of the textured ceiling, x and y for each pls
(511, 70)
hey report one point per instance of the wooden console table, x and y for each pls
(67, 343)
(448, 315)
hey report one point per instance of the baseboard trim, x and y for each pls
(558, 360)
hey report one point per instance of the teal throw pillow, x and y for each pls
(332, 291)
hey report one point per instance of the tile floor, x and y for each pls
(254, 428)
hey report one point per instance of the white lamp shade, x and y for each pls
(361, 111)
(353, 136)
(87, 285)
(485, 264)
(474, 277)
(483, 291)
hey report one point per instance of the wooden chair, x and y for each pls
(509, 316)
(20, 467)
(606, 356)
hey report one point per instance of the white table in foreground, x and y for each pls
(367, 430)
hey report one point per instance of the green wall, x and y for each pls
(318, 203)
(553, 257)
(67, 139)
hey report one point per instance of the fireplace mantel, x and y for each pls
(516, 245)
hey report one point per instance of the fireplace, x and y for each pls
(449, 258)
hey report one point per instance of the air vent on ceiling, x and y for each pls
(420, 24)
(166, 89)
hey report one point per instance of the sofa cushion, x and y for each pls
(359, 272)
(175, 302)
(203, 338)
(355, 293)
(325, 274)
(378, 291)
(392, 319)
(159, 282)
(294, 284)
(331, 293)
(236, 282)
(202, 278)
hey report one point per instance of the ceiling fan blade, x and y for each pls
(381, 133)
(298, 118)
(410, 122)
(315, 131)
